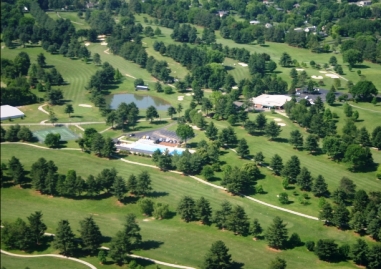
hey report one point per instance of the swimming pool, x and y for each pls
(153, 147)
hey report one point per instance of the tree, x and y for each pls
(132, 183)
(363, 137)
(261, 121)
(143, 185)
(304, 179)
(161, 211)
(227, 137)
(25, 134)
(69, 109)
(207, 172)
(326, 249)
(185, 132)
(272, 130)
(311, 143)
(211, 131)
(36, 226)
(146, 206)
(151, 113)
(179, 108)
(326, 213)
(119, 188)
(218, 257)
(52, 117)
(64, 239)
(358, 157)
(364, 90)
(187, 208)
(278, 263)
(108, 148)
(17, 235)
(320, 187)
(97, 59)
(102, 256)
(238, 221)
(138, 82)
(340, 216)
(296, 139)
(359, 252)
(171, 111)
(90, 234)
(352, 56)
(374, 257)
(276, 234)
(221, 216)
(292, 168)
(330, 97)
(203, 210)
(283, 197)
(285, 59)
(276, 164)
(358, 222)
(41, 60)
(243, 149)
(16, 170)
(256, 229)
(97, 144)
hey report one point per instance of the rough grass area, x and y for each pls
(169, 240)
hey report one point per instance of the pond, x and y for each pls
(141, 101)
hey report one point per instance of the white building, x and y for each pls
(11, 112)
(255, 22)
(268, 25)
(270, 101)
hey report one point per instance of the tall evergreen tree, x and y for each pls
(296, 139)
(340, 216)
(132, 184)
(359, 252)
(64, 239)
(221, 216)
(320, 188)
(187, 208)
(304, 179)
(374, 257)
(90, 234)
(203, 210)
(276, 234)
(143, 183)
(36, 226)
(292, 169)
(16, 170)
(326, 213)
(238, 221)
(273, 130)
(311, 144)
(326, 249)
(218, 257)
(276, 164)
(256, 229)
(278, 263)
(119, 188)
(243, 149)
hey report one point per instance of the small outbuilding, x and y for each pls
(10, 112)
(270, 101)
(141, 87)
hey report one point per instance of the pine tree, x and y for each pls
(304, 179)
(119, 188)
(320, 188)
(143, 183)
(358, 222)
(259, 158)
(273, 130)
(243, 149)
(296, 139)
(102, 256)
(203, 210)
(25, 134)
(256, 229)
(119, 246)
(311, 144)
(108, 148)
(278, 263)
(38, 174)
(146, 206)
(374, 257)
(326, 213)
(238, 221)
(261, 121)
(36, 226)
(16, 170)
(90, 235)
(340, 216)
(132, 184)
(92, 186)
(69, 109)
(292, 169)
(64, 239)
(364, 137)
(276, 234)
(187, 208)
(218, 257)
(326, 249)
(221, 216)
(276, 164)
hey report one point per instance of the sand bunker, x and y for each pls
(243, 64)
(127, 75)
(180, 98)
(188, 94)
(87, 44)
(323, 72)
(107, 51)
(277, 119)
(104, 43)
(281, 124)
(317, 77)
(332, 75)
(84, 105)
(235, 87)
(299, 69)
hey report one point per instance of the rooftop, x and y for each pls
(8, 111)
(271, 100)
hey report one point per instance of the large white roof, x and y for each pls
(8, 111)
(271, 100)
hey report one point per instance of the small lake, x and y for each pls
(141, 101)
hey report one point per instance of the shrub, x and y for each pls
(283, 198)
(310, 245)
(378, 174)
(168, 90)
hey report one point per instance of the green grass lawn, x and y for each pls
(172, 240)
(79, 23)
(10, 262)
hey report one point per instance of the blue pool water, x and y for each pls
(152, 148)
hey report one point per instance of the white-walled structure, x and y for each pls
(10, 112)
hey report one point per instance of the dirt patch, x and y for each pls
(273, 249)
(104, 43)
(277, 119)
(128, 75)
(84, 105)
(87, 44)
(281, 124)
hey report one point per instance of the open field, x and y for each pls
(79, 23)
(171, 240)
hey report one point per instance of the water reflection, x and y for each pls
(141, 101)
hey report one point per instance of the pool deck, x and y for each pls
(148, 147)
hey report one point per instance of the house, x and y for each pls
(141, 87)
(255, 22)
(222, 13)
(298, 29)
(310, 29)
(270, 101)
(364, 3)
(268, 25)
(11, 112)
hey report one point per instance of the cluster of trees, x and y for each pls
(124, 116)
(95, 142)
(271, 130)
(241, 180)
(16, 133)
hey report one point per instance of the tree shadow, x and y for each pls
(361, 66)
(280, 140)
(106, 239)
(192, 145)
(77, 116)
(150, 244)
(130, 200)
(156, 194)
(229, 67)
(237, 265)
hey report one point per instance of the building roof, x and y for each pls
(271, 100)
(10, 112)
(255, 22)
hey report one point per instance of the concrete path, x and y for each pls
(37, 146)
(375, 111)
(49, 255)
(223, 188)
(41, 108)
(58, 123)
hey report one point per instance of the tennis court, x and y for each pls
(66, 134)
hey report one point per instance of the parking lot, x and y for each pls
(162, 135)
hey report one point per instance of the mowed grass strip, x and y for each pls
(172, 240)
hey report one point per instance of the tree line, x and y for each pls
(44, 178)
